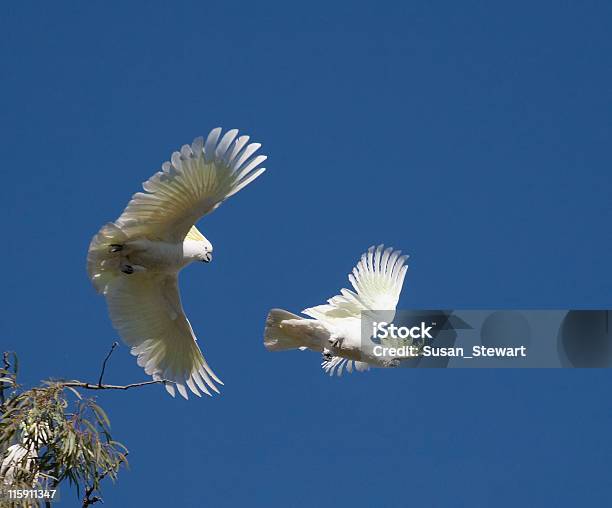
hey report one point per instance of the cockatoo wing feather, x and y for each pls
(377, 282)
(195, 181)
(146, 310)
(338, 363)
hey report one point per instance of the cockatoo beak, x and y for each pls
(207, 257)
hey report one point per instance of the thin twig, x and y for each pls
(90, 500)
(115, 344)
(7, 366)
(92, 386)
(87, 501)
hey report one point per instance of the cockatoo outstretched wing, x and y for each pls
(195, 181)
(377, 282)
(146, 310)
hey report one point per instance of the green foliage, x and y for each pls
(67, 437)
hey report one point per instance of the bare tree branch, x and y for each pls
(92, 386)
(100, 386)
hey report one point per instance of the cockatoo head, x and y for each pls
(198, 250)
(205, 251)
(197, 247)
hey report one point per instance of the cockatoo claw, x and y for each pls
(335, 341)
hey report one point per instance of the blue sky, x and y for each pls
(475, 137)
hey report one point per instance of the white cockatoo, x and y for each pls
(18, 461)
(134, 262)
(336, 328)
(21, 460)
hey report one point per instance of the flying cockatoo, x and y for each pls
(134, 262)
(336, 329)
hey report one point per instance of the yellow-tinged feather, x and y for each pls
(194, 234)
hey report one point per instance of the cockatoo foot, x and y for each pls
(335, 341)
(129, 269)
(327, 355)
